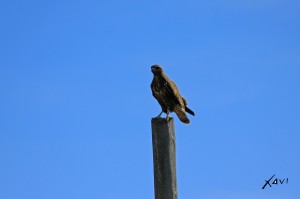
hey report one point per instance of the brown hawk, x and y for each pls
(168, 96)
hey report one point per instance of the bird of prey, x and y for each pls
(168, 96)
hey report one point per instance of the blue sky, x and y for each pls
(76, 103)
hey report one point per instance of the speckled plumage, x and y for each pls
(168, 96)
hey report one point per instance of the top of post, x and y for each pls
(162, 123)
(160, 120)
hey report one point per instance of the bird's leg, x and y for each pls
(168, 112)
(159, 114)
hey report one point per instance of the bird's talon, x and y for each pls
(159, 115)
(167, 118)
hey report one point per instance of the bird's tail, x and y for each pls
(189, 111)
(186, 108)
(180, 112)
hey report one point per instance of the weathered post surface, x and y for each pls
(164, 158)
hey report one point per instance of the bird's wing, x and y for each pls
(173, 90)
(186, 108)
(184, 101)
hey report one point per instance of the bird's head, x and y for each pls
(156, 69)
